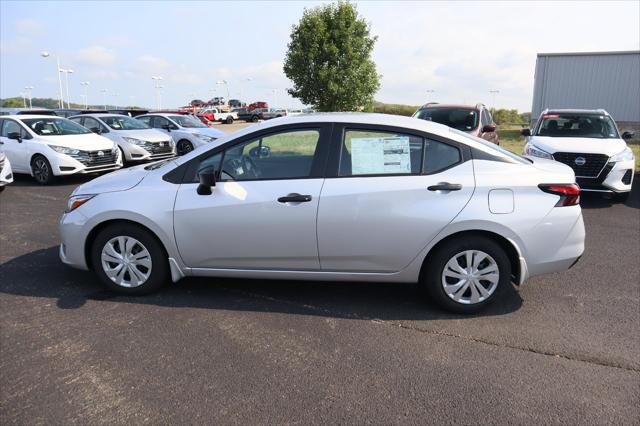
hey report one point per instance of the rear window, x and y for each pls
(560, 125)
(464, 119)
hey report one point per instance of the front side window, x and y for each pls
(146, 120)
(122, 122)
(10, 126)
(464, 119)
(93, 124)
(285, 155)
(160, 122)
(54, 126)
(380, 153)
(187, 121)
(594, 126)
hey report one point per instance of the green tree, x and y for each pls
(329, 59)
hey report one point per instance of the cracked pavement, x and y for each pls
(565, 348)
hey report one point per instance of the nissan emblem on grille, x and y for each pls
(580, 161)
(101, 154)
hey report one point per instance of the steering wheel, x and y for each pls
(250, 166)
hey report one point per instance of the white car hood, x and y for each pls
(120, 180)
(579, 145)
(85, 142)
(207, 131)
(149, 135)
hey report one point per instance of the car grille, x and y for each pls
(592, 166)
(155, 148)
(93, 158)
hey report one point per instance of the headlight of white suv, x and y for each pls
(64, 150)
(534, 151)
(625, 155)
(134, 141)
(204, 137)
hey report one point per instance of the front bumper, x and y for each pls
(73, 235)
(6, 175)
(64, 165)
(614, 178)
(151, 151)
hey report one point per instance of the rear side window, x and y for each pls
(439, 156)
(367, 152)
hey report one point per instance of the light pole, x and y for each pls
(29, 89)
(104, 98)
(494, 92)
(86, 86)
(24, 100)
(46, 55)
(157, 80)
(67, 72)
(115, 100)
(226, 83)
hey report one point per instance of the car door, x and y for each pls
(390, 192)
(262, 213)
(16, 151)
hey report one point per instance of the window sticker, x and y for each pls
(380, 155)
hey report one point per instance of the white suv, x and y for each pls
(135, 139)
(187, 131)
(589, 142)
(46, 146)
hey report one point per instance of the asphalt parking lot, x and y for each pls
(563, 349)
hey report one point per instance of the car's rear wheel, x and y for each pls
(467, 274)
(254, 119)
(183, 147)
(41, 170)
(129, 259)
(229, 120)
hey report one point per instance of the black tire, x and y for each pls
(183, 147)
(432, 276)
(254, 118)
(41, 170)
(124, 159)
(159, 271)
(229, 120)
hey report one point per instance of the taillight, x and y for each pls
(569, 193)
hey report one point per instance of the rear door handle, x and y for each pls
(445, 186)
(295, 198)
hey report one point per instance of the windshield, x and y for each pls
(121, 122)
(493, 146)
(187, 121)
(464, 119)
(558, 125)
(54, 126)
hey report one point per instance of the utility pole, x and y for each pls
(494, 92)
(104, 98)
(60, 95)
(157, 86)
(85, 84)
(29, 89)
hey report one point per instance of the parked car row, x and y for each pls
(47, 146)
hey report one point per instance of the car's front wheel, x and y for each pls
(183, 147)
(229, 120)
(129, 259)
(466, 274)
(41, 170)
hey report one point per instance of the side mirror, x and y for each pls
(207, 177)
(260, 151)
(15, 136)
(488, 128)
(96, 130)
(525, 132)
(628, 134)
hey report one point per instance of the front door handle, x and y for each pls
(445, 186)
(295, 198)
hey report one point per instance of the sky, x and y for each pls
(426, 51)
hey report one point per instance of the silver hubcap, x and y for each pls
(470, 277)
(126, 261)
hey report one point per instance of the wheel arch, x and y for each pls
(91, 237)
(510, 248)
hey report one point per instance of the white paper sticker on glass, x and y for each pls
(380, 155)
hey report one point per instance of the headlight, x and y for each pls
(76, 201)
(64, 150)
(537, 152)
(204, 137)
(134, 141)
(625, 155)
